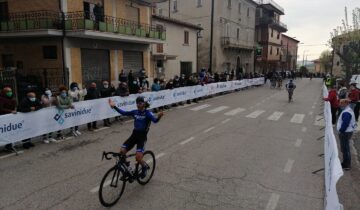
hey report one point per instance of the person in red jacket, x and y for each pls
(334, 103)
(353, 95)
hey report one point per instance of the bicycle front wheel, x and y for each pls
(150, 164)
(112, 186)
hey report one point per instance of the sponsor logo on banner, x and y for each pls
(239, 83)
(125, 103)
(221, 86)
(179, 94)
(152, 99)
(198, 90)
(9, 127)
(62, 115)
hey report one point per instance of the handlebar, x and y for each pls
(110, 155)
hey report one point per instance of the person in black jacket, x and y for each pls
(29, 104)
(92, 94)
(107, 91)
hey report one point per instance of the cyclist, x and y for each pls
(142, 120)
(290, 87)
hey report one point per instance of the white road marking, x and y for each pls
(298, 142)
(10, 155)
(304, 129)
(187, 140)
(200, 107)
(159, 155)
(275, 116)
(234, 112)
(225, 121)
(218, 109)
(319, 121)
(311, 113)
(272, 204)
(255, 114)
(209, 129)
(297, 118)
(289, 166)
(100, 129)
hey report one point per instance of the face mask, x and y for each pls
(63, 95)
(106, 86)
(135, 82)
(48, 93)
(32, 99)
(158, 83)
(75, 88)
(9, 94)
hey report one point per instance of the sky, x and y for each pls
(311, 22)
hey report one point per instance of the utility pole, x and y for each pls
(211, 34)
(169, 8)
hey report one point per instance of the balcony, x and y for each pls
(79, 24)
(234, 43)
(35, 23)
(271, 5)
(271, 22)
(83, 24)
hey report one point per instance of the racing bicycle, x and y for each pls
(113, 183)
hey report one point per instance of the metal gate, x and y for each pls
(133, 60)
(95, 66)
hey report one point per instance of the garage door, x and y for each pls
(133, 60)
(95, 66)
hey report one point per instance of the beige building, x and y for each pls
(178, 54)
(233, 31)
(56, 42)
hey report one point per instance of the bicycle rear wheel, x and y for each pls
(150, 164)
(112, 186)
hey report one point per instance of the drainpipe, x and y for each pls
(211, 35)
(65, 72)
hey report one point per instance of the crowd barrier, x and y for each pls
(333, 169)
(16, 127)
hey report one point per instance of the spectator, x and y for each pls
(47, 100)
(182, 80)
(176, 82)
(353, 95)
(92, 94)
(122, 90)
(107, 91)
(334, 103)
(144, 84)
(63, 101)
(29, 104)
(134, 87)
(170, 85)
(217, 77)
(122, 76)
(342, 93)
(156, 85)
(7, 106)
(77, 95)
(345, 127)
(130, 77)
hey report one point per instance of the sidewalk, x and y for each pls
(348, 186)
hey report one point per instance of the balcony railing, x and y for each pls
(230, 42)
(35, 20)
(273, 3)
(79, 21)
(273, 21)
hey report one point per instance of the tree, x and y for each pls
(303, 70)
(326, 60)
(345, 41)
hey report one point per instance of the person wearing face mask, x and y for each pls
(47, 100)
(134, 86)
(29, 104)
(107, 91)
(77, 95)
(63, 101)
(353, 95)
(92, 94)
(7, 106)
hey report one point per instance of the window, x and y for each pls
(160, 12)
(186, 37)
(277, 51)
(271, 50)
(199, 3)
(248, 12)
(175, 6)
(8, 61)
(238, 33)
(159, 48)
(227, 30)
(239, 8)
(4, 11)
(278, 36)
(50, 52)
(229, 4)
(272, 32)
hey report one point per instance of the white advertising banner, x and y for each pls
(20, 126)
(333, 169)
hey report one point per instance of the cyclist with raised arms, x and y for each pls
(142, 120)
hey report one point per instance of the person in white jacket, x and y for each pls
(77, 95)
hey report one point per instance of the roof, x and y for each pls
(288, 37)
(178, 22)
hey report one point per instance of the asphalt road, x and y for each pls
(244, 150)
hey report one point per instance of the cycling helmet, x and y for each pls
(140, 99)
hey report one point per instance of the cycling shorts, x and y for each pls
(137, 138)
